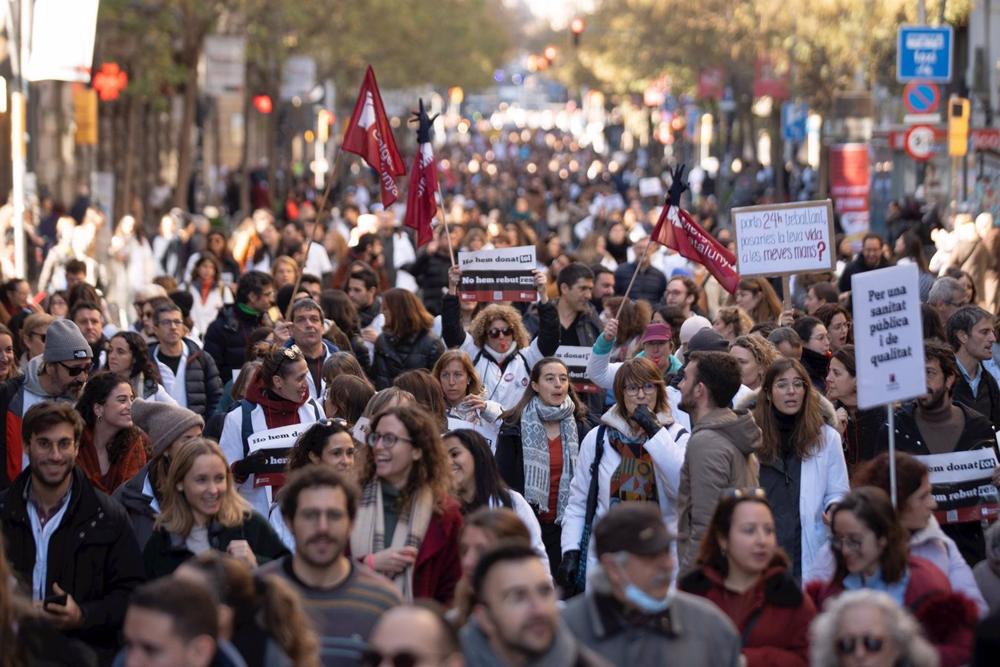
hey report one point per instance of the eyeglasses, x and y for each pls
(632, 390)
(785, 385)
(373, 658)
(497, 333)
(333, 421)
(852, 543)
(41, 336)
(73, 371)
(389, 440)
(746, 493)
(171, 323)
(871, 644)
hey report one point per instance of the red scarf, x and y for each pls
(119, 472)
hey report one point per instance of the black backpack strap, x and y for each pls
(749, 626)
(247, 428)
(591, 509)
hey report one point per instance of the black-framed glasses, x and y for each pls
(746, 493)
(388, 440)
(41, 336)
(497, 332)
(373, 658)
(871, 644)
(648, 389)
(73, 371)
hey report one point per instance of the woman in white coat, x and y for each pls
(635, 455)
(802, 465)
(278, 405)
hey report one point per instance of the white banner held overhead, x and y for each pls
(888, 335)
(502, 274)
(223, 65)
(62, 40)
(781, 239)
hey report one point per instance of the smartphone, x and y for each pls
(55, 599)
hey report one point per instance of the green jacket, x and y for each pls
(165, 551)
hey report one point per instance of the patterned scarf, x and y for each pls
(368, 534)
(633, 479)
(535, 449)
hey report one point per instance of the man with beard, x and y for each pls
(971, 335)
(629, 613)
(57, 374)
(72, 542)
(720, 454)
(344, 599)
(515, 621)
(604, 286)
(90, 320)
(934, 424)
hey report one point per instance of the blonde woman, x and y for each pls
(202, 510)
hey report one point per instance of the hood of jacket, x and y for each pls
(932, 532)
(273, 405)
(736, 426)
(131, 495)
(31, 382)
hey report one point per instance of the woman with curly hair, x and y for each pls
(406, 341)
(112, 448)
(755, 355)
(128, 357)
(407, 523)
(498, 344)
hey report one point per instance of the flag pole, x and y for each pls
(444, 218)
(319, 217)
(631, 282)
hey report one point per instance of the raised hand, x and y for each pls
(424, 123)
(677, 186)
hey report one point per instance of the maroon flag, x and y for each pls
(677, 230)
(368, 134)
(421, 201)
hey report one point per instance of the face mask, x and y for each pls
(645, 602)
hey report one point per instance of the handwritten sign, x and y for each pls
(783, 239)
(888, 335)
(962, 485)
(504, 274)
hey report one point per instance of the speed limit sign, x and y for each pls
(919, 142)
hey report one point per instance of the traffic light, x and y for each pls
(262, 103)
(576, 26)
(958, 126)
(324, 122)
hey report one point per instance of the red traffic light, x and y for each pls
(262, 103)
(576, 26)
(109, 81)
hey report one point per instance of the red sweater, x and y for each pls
(779, 636)
(948, 618)
(439, 565)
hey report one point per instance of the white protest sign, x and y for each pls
(504, 274)
(785, 238)
(888, 335)
(275, 443)
(650, 187)
(962, 484)
(576, 358)
(488, 431)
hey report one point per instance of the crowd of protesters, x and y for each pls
(454, 491)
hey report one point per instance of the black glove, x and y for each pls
(566, 576)
(647, 420)
(424, 123)
(243, 468)
(677, 186)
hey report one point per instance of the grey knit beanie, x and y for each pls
(163, 422)
(64, 342)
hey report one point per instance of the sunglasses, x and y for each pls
(847, 645)
(749, 493)
(73, 371)
(497, 333)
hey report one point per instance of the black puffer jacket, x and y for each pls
(202, 382)
(93, 555)
(430, 270)
(226, 338)
(394, 356)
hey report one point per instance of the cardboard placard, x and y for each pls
(888, 335)
(503, 274)
(490, 436)
(576, 359)
(783, 239)
(962, 485)
(276, 443)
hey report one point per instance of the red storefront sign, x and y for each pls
(850, 186)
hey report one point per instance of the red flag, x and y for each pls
(421, 200)
(677, 230)
(368, 134)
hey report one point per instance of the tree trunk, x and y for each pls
(184, 147)
(245, 150)
(128, 182)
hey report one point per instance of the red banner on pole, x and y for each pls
(677, 230)
(369, 135)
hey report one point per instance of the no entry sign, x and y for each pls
(919, 142)
(921, 97)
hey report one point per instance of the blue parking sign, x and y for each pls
(793, 121)
(924, 53)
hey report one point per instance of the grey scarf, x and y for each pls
(535, 448)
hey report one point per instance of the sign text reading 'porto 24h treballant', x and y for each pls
(888, 335)
(781, 239)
